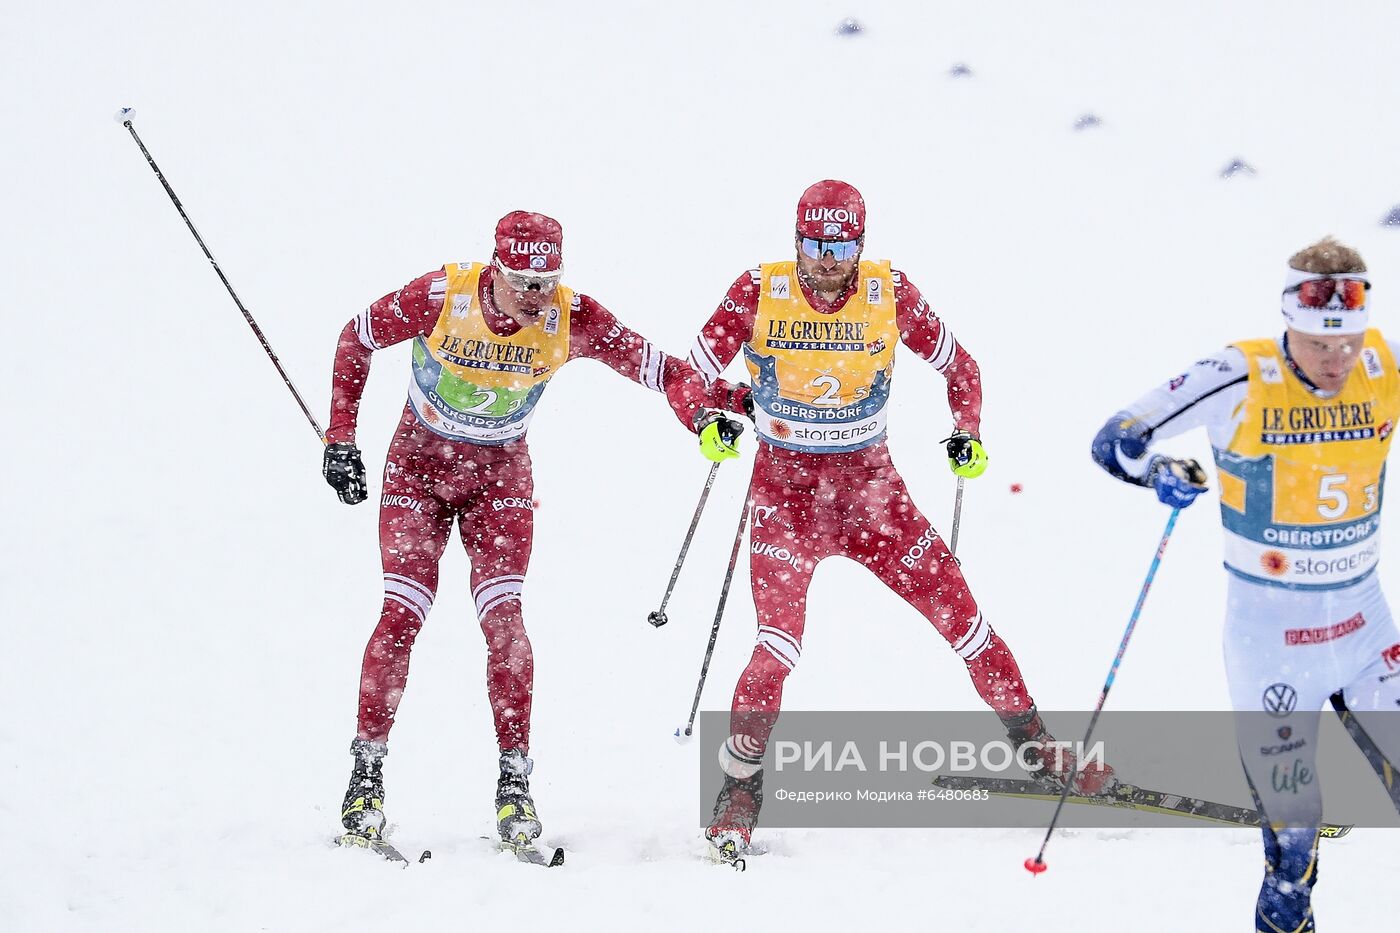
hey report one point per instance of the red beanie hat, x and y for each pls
(831, 210)
(527, 242)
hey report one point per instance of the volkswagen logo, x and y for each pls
(1280, 700)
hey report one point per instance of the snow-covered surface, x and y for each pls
(185, 602)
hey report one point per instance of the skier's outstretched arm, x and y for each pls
(595, 334)
(1208, 394)
(695, 387)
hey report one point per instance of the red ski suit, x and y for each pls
(810, 505)
(432, 481)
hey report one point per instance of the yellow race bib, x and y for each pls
(1301, 481)
(822, 381)
(471, 384)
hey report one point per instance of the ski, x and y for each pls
(1124, 795)
(524, 850)
(373, 844)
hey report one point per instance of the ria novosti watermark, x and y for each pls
(958, 756)
(934, 769)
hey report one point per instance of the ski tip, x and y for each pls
(1035, 865)
(427, 854)
(557, 858)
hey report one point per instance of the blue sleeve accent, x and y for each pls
(1122, 433)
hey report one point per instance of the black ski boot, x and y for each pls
(515, 810)
(362, 814)
(736, 815)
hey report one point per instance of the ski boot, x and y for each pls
(1053, 765)
(515, 809)
(736, 814)
(362, 813)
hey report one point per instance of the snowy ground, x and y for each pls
(185, 602)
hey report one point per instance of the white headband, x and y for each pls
(1321, 322)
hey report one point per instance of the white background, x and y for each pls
(185, 602)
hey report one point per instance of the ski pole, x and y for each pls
(124, 117)
(957, 519)
(1385, 770)
(714, 629)
(658, 618)
(1037, 865)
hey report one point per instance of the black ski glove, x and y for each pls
(344, 470)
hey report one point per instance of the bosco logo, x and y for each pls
(831, 229)
(919, 548)
(538, 262)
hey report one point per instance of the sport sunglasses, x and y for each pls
(840, 250)
(1318, 293)
(528, 281)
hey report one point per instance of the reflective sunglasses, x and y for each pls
(519, 281)
(1318, 293)
(841, 250)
